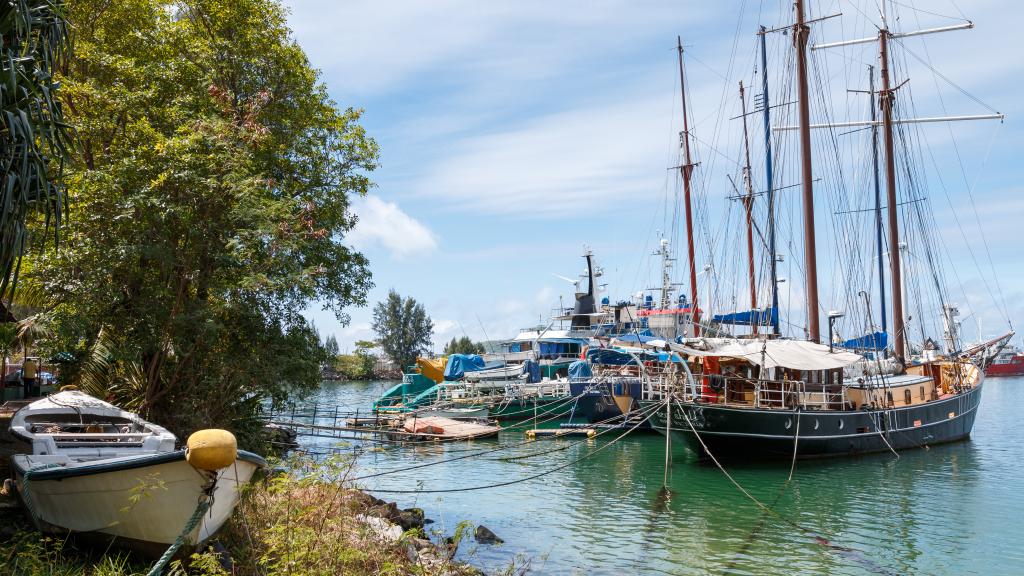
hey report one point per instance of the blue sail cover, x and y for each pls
(459, 364)
(873, 341)
(580, 370)
(532, 370)
(766, 317)
(641, 337)
(609, 357)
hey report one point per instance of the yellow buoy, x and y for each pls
(211, 449)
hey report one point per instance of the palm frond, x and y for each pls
(34, 140)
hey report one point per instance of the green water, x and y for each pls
(953, 509)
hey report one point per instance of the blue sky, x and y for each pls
(513, 133)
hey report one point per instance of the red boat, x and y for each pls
(1009, 362)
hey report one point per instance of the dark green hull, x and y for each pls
(731, 433)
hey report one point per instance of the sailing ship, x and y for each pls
(764, 396)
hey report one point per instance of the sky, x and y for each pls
(514, 134)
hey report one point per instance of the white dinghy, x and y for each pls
(92, 468)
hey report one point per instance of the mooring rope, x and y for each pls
(526, 479)
(796, 440)
(480, 453)
(205, 501)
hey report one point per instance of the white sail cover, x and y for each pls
(795, 354)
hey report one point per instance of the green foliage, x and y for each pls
(211, 202)
(34, 139)
(28, 554)
(310, 521)
(358, 366)
(463, 346)
(331, 346)
(403, 328)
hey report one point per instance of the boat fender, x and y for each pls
(211, 449)
(716, 382)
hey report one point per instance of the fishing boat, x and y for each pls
(762, 395)
(142, 491)
(1008, 362)
(611, 384)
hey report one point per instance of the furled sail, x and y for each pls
(873, 341)
(764, 317)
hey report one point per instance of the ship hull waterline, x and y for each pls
(737, 434)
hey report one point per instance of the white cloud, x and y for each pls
(580, 161)
(384, 224)
(373, 47)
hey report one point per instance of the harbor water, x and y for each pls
(951, 509)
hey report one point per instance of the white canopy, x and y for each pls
(795, 354)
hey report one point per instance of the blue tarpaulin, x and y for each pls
(580, 370)
(767, 317)
(614, 357)
(532, 370)
(873, 341)
(636, 337)
(459, 364)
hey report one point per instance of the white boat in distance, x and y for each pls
(91, 468)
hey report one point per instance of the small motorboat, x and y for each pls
(90, 468)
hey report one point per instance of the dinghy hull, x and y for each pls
(141, 501)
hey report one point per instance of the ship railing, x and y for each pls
(798, 393)
(744, 391)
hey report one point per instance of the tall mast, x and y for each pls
(771, 188)
(878, 197)
(800, 33)
(886, 97)
(687, 169)
(748, 204)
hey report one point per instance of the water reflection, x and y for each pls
(947, 509)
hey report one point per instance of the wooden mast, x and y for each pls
(748, 204)
(686, 169)
(885, 99)
(800, 33)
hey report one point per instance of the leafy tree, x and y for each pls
(463, 346)
(403, 329)
(212, 203)
(331, 346)
(8, 344)
(34, 141)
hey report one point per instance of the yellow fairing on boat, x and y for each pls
(433, 368)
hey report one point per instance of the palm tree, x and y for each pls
(34, 140)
